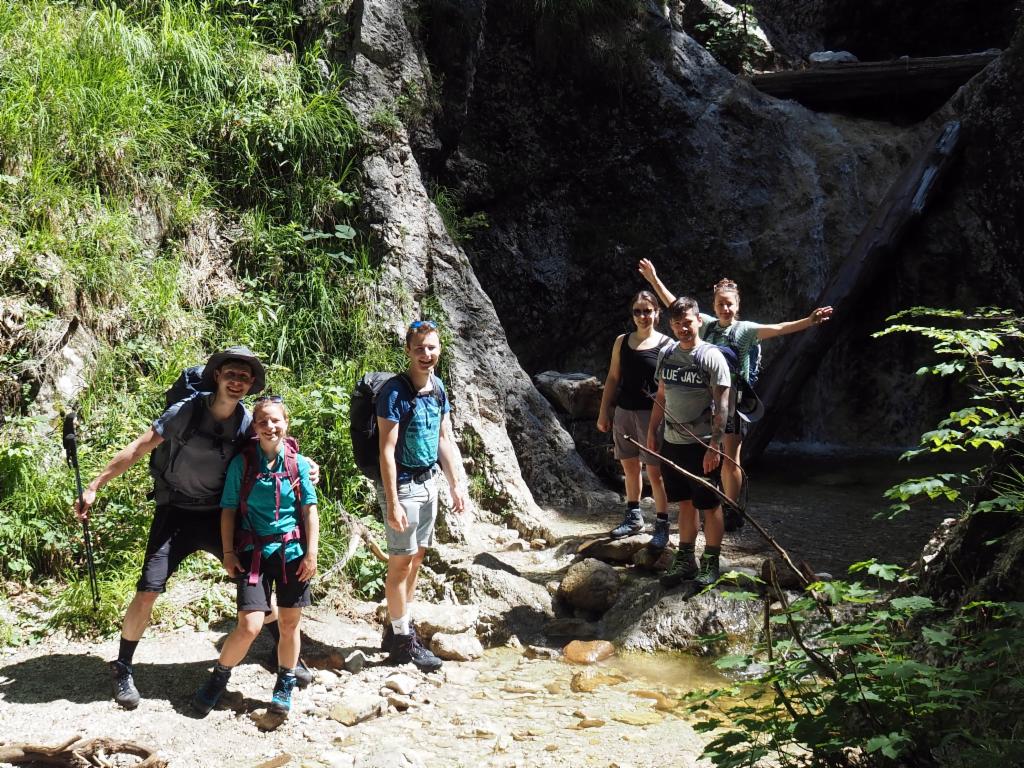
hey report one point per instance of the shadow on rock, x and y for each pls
(82, 678)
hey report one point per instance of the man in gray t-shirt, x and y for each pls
(693, 399)
(190, 459)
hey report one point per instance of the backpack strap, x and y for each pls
(250, 474)
(664, 351)
(195, 417)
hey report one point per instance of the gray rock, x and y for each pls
(590, 585)
(444, 618)
(354, 662)
(460, 647)
(831, 58)
(401, 683)
(614, 550)
(357, 707)
(576, 394)
(647, 618)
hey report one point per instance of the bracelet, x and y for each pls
(229, 552)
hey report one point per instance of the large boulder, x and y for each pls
(590, 585)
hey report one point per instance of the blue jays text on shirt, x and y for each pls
(683, 376)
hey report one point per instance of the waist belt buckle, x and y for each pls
(423, 476)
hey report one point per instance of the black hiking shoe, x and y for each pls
(281, 702)
(683, 568)
(660, 538)
(733, 518)
(709, 570)
(206, 698)
(632, 523)
(125, 692)
(387, 638)
(407, 649)
(302, 673)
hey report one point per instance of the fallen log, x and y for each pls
(903, 204)
(79, 753)
(855, 84)
(357, 533)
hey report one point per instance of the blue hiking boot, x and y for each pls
(632, 523)
(206, 698)
(302, 673)
(281, 701)
(660, 538)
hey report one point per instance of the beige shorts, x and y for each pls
(633, 424)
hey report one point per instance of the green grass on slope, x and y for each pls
(118, 121)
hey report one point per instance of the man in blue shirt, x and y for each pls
(415, 434)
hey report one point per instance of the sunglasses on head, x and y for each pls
(417, 324)
(269, 399)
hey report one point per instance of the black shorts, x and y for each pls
(679, 487)
(175, 534)
(256, 597)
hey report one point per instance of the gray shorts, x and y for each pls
(419, 500)
(633, 424)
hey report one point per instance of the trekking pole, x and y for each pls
(721, 495)
(71, 449)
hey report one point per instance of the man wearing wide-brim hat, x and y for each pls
(192, 443)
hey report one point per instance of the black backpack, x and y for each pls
(362, 414)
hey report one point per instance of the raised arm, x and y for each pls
(123, 461)
(817, 317)
(611, 386)
(650, 274)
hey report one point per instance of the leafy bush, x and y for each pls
(120, 126)
(858, 675)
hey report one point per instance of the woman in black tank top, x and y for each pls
(626, 407)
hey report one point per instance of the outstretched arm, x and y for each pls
(121, 463)
(817, 317)
(611, 386)
(650, 274)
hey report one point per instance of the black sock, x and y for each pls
(274, 630)
(685, 548)
(716, 551)
(126, 651)
(662, 515)
(631, 505)
(219, 668)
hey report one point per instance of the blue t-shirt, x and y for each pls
(260, 514)
(420, 431)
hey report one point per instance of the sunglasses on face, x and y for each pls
(637, 312)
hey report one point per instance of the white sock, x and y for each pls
(401, 626)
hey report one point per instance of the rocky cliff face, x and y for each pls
(645, 147)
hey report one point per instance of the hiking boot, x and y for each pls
(632, 523)
(683, 568)
(281, 701)
(302, 673)
(660, 538)
(387, 639)
(709, 570)
(206, 698)
(733, 518)
(407, 649)
(125, 692)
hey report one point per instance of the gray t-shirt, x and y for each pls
(191, 474)
(688, 398)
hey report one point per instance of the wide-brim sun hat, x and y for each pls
(243, 355)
